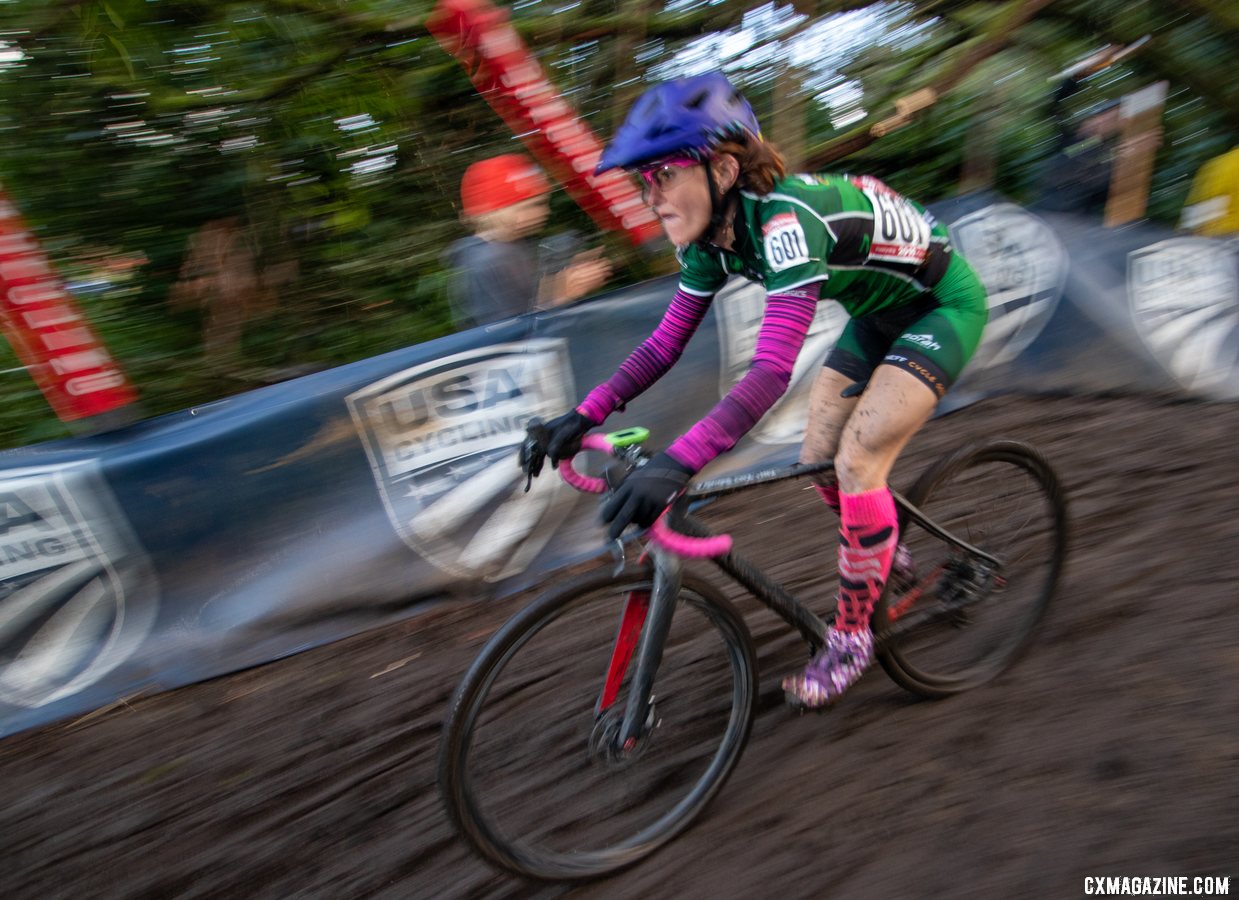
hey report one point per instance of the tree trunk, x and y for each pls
(995, 38)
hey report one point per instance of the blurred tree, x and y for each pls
(313, 135)
(326, 138)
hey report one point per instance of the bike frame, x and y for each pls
(655, 620)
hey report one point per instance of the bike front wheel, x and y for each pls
(529, 766)
(963, 619)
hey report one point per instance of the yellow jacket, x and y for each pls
(1212, 207)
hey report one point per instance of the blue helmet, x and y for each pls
(688, 115)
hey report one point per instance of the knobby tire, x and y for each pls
(518, 735)
(1004, 498)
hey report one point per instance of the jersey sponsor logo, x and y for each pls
(740, 307)
(1184, 295)
(804, 293)
(1023, 267)
(442, 440)
(784, 242)
(77, 593)
(924, 340)
(920, 371)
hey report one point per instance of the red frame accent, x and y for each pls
(635, 608)
(895, 610)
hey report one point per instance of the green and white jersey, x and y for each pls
(873, 248)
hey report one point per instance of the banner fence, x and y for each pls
(201, 542)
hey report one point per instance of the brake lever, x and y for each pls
(617, 553)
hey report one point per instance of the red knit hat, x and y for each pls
(501, 181)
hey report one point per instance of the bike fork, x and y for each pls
(636, 607)
(657, 621)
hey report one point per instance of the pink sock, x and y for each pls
(867, 539)
(830, 493)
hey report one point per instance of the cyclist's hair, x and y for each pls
(761, 164)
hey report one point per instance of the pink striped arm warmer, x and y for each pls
(651, 360)
(783, 329)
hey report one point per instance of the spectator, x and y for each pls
(1080, 177)
(1212, 208)
(498, 273)
(1076, 179)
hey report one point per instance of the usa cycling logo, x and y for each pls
(740, 306)
(442, 440)
(77, 595)
(1185, 303)
(1023, 267)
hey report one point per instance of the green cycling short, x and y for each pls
(933, 337)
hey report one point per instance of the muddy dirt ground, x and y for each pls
(1112, 748)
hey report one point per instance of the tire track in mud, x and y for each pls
(1111, 748)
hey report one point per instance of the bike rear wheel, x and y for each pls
(528, 768)
(963, 620)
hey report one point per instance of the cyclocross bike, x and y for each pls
(600, 720)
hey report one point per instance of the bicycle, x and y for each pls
(560, 709)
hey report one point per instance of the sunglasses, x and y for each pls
(663, 175)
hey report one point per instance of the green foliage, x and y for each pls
(335, 133)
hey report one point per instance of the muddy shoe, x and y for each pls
(834, 669)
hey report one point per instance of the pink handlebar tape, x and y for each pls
(686, 546)
(661, 533)
(585, 483)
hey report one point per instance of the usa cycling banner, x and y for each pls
(440, 437)
(220, 537)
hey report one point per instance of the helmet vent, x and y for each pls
(684, 115)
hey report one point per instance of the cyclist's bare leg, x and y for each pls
(893, 408)
(828, 412)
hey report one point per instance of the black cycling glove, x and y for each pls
(565, 436)
(645, 493)
(559, 439)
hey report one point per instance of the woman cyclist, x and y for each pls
(917, 311)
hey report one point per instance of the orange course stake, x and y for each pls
(507, 75)
(51, 336)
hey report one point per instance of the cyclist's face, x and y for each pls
(679, 193)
